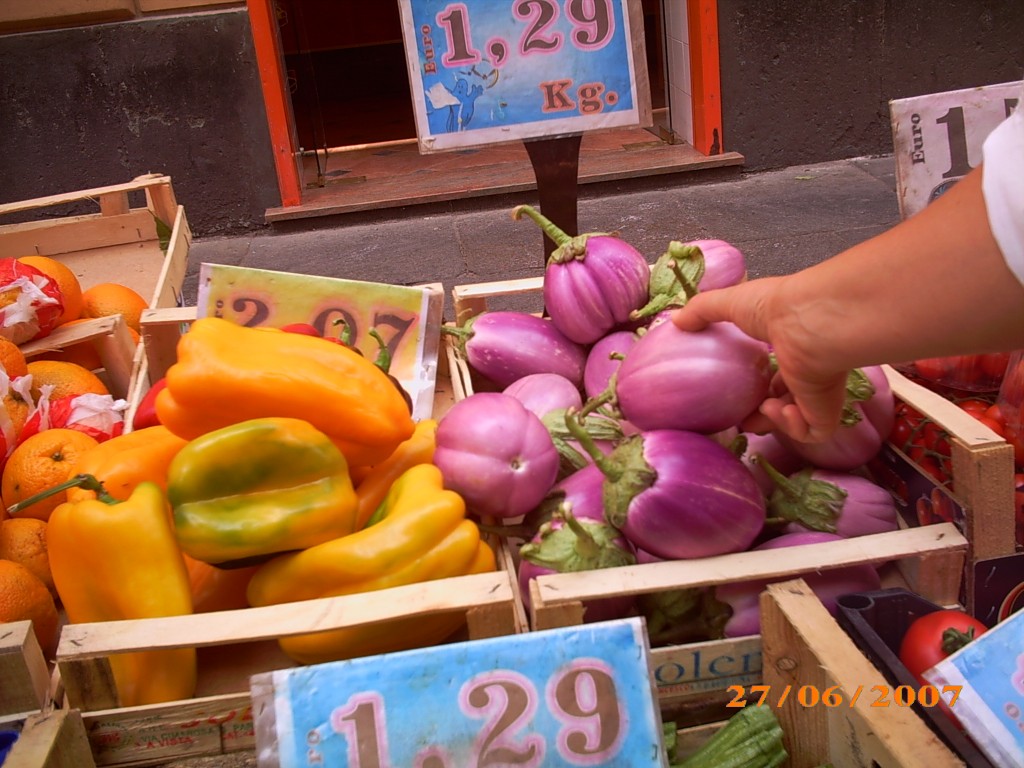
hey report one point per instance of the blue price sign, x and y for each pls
(488, 71)
(577, 696)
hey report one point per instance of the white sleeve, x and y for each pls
(1003, 187)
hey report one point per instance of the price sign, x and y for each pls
(407, 318)
(937, 138)
(487, 71)
(577, 696)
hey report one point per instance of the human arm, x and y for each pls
(936, 284)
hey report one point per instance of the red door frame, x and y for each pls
(280, 119)
(705, 85)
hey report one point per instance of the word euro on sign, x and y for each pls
(576, 696)
(937, 138)
(489, 71)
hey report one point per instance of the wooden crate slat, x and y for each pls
(461, 593)
(558, 589)
(804, 645)
(23, 670)
(54, 739)
(79, 233)
(140, 183)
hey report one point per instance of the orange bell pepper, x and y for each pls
(227, 373)
(123, 462)
(374, 486)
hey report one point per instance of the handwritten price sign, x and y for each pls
(937, 138)
(407, 318)
(488, 71)
(578, 696)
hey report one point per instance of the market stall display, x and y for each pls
(545, 490)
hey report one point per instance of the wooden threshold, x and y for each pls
(396, 175)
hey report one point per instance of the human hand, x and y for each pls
(807, 396)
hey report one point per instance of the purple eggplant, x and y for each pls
(867, 421)
(568, 544)
(768, 448)
(506, 345)
(542, 393)
(724, 264)
(833, 502)
(496, 454)
(686, 268)
(604, 359)
(592, 282)
(581, 491)
(678, 494)
(739, 602)
(704, 381)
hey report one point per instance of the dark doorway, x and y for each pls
(347, 74)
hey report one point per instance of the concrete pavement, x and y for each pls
(782, 220)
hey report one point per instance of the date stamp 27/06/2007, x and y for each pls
(835, 696)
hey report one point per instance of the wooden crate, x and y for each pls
(233, 645)
(928, 560)
(804, 647)
(51, 739)
(138, 237)
(696, 674)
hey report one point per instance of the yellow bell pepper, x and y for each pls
(124, 461)
(118, 560)
(226, 373)
(257, 488)
(420, 533)
(374, 486)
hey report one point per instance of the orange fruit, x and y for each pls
(24, 597)
(66, 378)
(12, 358)
(84, 354)
(23, 540)
(41, 462)
(17, 408)
(67, 281)
(106, 299)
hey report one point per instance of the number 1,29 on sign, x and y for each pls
(592, 26)
(506, 724)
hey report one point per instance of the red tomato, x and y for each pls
(934, 368)
(934, 438)
(994, 365)
(992, 424)
(932, 637)
(974, 405)
(996, 413)
(1015, 437)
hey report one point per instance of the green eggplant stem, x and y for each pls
(556, 235)
(574, 423)
(88, 482)
(457, 331)
(782, 483)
